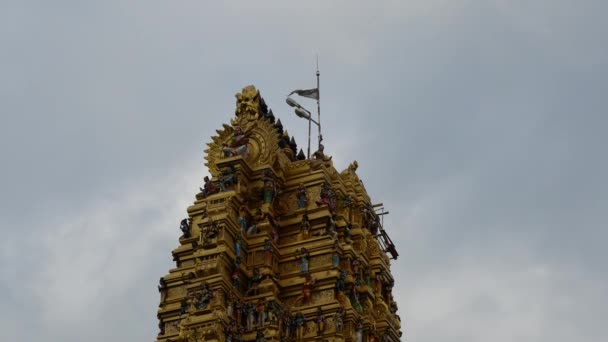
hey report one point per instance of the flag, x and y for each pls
(310, 93)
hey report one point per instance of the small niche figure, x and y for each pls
(236, 281)
(259, 337)
(254, 282)
(243, 218)
(356, 267)
(162, 289)
(274, 232)
(238, 145)
(250, 316)
(238, 245)
(184, 226)
(208, 188)
(227, 178)
(320, 321)
(261, 311)
(305, 227)
(268, 252)
(359, 331)
(339, 319)
(302, 196)
(335, 258)
(327, 197)
(269, 187)
(347, 233)
(301, 325)
(374, 225)
(304, 258)
(341, 282)
(307, 288)
(367, 275)
(331, 227)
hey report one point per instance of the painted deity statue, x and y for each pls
(320, 321)
(302, 196)
(305, 227)
(238, 144)
(184, 226)
(307, 288)
(304, 257)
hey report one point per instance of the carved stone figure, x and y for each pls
(227, 178)
(259, 337)
(302, 196)
(184, 226)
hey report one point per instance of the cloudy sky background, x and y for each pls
(481, 125)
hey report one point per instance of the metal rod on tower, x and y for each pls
(319, 103)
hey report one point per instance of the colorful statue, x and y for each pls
(347, 234)
(254, 282)
(162, 288)
(335, 258)
(305, 227)
(327, 197)
(237, 245)
(261, 311)
(268, 253)
(331, 227)
(302, 196)
(320, 321)
(301, 325)
(270, 189)
(307, 288)
(259, 337)
(359, 331)
(356, 264)
(250, 316)
(243, 218)
(227, 178)
(341, 282)
(184, 226)
(339, 319)
(208, 189)
(238, 145)
(304, 258)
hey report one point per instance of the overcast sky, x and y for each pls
(481, 125)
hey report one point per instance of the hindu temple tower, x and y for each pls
(278, 247)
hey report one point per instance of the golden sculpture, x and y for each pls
(277, 249)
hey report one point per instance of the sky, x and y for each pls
(481, 126)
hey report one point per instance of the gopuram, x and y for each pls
(278, 247)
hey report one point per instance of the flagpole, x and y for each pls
(318, 105)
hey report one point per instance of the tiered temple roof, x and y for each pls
(277, 247)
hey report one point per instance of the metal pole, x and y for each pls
(309, 119)
(319, 103)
